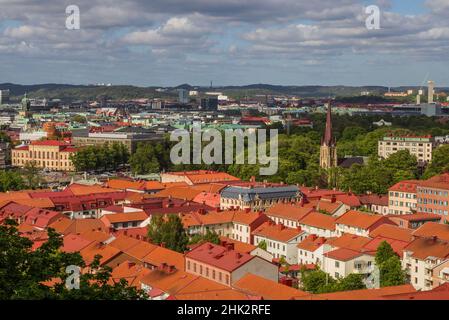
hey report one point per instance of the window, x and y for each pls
(337, 264)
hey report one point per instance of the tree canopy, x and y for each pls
(41, 274)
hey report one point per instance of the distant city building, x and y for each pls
(5, 155)
(328, 150)
(130, 137)
(183, 97)
(50, 154)
(209, 103)
(28, 137)
(420, 147)
(4, 96)
(430, 91)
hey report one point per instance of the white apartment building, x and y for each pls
(341, 262)
(312, 249)
(421, 260)
(421, 147)
(281, 241)
(319, 224)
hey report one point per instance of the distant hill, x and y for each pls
(83, 92)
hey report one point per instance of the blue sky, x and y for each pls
(231, 42)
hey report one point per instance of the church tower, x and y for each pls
(328, 150)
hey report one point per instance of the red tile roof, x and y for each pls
(343, 254)
(392, 232)
(433, 229)
(408, 186)
(319, 220)
(359, 219)
(277, 232)
(288, 211)
(267, 289)
(219, 257)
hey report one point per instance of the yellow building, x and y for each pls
(51, 154)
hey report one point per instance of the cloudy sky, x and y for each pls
(170, 42)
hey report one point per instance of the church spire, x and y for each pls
(328, 138)
(328, 150)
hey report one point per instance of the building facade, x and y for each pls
(420, 147)
(50, 154)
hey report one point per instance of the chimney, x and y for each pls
(247, 210)
(238, 255)
(171, 269)
(162, 244)
(229, 246)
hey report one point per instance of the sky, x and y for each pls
(229, 42)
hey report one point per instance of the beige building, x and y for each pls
(402, 197)
(50, 154)
(420, 147)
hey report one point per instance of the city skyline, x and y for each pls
(232, 43)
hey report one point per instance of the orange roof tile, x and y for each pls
(311, 243)
(358, 219)
(423, 248)
(125, 217)
(186, 193)
(277, 232)
(106, 252)
(343, 254)
(319, 220)
(140, 250)
(349, 241)
(163, 255)
(364, 294)
(131, 272)
(392, 232)
(408, 186)
(288, 211)
(124, 243)
(430, 229)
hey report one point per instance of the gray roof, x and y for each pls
(269, 192)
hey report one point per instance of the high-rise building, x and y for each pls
(431, 91)
(209, 103)
(328, 150)
(183, 96)
(4, 96)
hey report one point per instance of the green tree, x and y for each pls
(169, 232)
(391, 273)
(262, 245)
(352, 281)
(31, 174)
(440, 162)
(210, 236)
(24, 272)
(383, 253)
(145, 160)
(10, 181)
